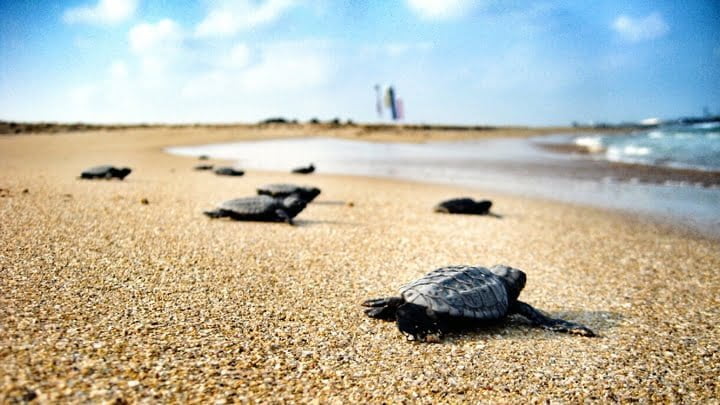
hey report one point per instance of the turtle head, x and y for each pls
(312, 192)
(293, 205)
(513, 279)
(123, 172)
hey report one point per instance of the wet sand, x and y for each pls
(106, 298)
(600, 169)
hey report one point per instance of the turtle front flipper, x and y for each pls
(283, 216)
(420, 323)
(555, 325)
(383, 308)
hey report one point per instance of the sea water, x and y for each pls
(514, 166)
(694, 146)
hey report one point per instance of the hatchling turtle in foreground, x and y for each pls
(105, 172)
(462, 296)
(228, 171)
(260, 208)
(464, 206)
(304, 169)
(281, 190)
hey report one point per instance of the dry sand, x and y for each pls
(104, 298)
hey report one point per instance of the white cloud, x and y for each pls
(442, 9)
(158, 45)
(118, 70)
(145, 37)
(280, 68)
(640, 29)
(104, 12)
(227, 18)
(238, 56)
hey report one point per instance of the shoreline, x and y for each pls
(515, 166)
(107, 298)
(643, 173)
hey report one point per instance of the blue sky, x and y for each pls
(452, 61)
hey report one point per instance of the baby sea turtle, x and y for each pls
(228, 171)
(203, 167)
(464, 206)
(462, 296)
(304, 169)
(105, 172)
(281, 190)
(260, 208)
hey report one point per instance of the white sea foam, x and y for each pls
(707, 125)
(593, 144)
(632, 150)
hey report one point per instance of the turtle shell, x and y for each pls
(258, 205)
(282, 190)
(228, 171)
(464, 206)
(103, 170)
(460, 291)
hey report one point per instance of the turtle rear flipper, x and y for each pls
(545, 322)
(215, 213)
(420, 323)
(383, 308)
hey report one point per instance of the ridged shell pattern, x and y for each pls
(281, 188)
(463, 291)
(252, 205)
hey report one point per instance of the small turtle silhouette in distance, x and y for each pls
(228, 171)
(281, 190)
(464, 206)
(457, 297)
(304, 169)
(260, 208)
(203, 167)
(105, 172)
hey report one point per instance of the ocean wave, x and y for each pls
(706, 125)
(593, 144)
(695, 147)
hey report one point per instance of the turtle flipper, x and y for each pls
(555, 325)
(383, 308)
(214, 213)
(284, 216)
(420, 323)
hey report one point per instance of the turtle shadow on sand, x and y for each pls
(311, 222)
(330, 202)
(489, 214)
(519, 328)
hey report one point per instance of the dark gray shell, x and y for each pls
(103, 170)
(258, 205)
(282, 190)
(228, 171)
(464, 205)
(461, 291)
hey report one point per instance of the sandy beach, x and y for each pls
(105, 298)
